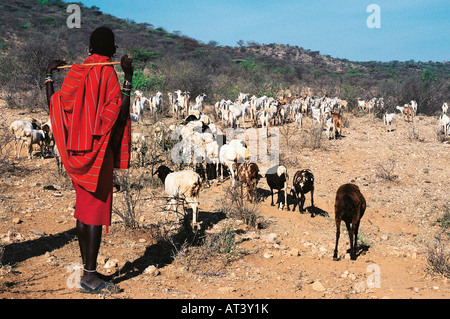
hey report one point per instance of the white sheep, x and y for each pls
(31, 137)
(184, 184)
(17, 128)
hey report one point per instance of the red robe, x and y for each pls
(83, 114)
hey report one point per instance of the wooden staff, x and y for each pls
(89, 64)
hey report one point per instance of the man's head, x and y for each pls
(102, 42)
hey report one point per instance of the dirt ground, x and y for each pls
(289, 258)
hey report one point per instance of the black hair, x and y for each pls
(102, 42)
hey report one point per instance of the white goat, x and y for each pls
(230, 154)
(387, 120)
(444, 123)
(155, 102)
(444, 108)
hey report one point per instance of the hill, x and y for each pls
(32, 33)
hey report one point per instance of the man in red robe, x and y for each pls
(92, 129)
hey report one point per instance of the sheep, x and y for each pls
(277, 178)
(17, 128)
(349, 206)
(248, 174)
(32, 137)
(184, 184)
(302, 183)
(387, 120)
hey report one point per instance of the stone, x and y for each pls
(111, 263)
(152, 271)
(317, 286)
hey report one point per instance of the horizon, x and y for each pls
(407, 30)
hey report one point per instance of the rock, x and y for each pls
(111, 263)
(360, 287)
(268, 255)
(317, 286)
(152, 271)
(270, 238)
(16, 220)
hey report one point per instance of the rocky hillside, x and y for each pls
(34, 32)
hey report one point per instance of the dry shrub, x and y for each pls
(438, 257)
(211, 256)
(234, 204)
(385, 171)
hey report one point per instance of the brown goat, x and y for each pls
(337, 119)
(408, 113)
(248, 173)
(349, 206)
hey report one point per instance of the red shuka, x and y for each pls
(83, 114)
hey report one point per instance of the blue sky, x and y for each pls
(410, 29)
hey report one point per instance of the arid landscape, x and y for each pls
(403, 175)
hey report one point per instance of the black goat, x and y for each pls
(303, 183)
(277, 178)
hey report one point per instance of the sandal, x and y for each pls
(104, 288)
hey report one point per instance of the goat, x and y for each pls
(444, 108)
(230, 154)
(138, 106)
(387, 120)
(184, 184)
(444, 122)
(277, 178)
(349, 206)
(302, 183)
(248, 173)
(400, 108)
(407, 113)
(138, 145)
(155, 102)
(337, 120)
(329, 125)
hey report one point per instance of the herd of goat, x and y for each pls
(200, 141)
